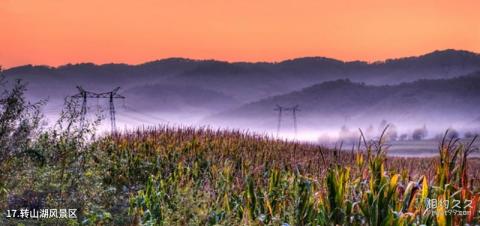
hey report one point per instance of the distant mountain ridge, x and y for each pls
(235, 83)
(250, 81)
(435, 102)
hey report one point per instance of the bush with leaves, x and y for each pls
(19, 124)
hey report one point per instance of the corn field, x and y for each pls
(207, 177)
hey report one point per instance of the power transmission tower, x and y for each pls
(294, 110)
(280, 110)
(84, 95)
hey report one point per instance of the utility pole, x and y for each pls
(84, 95)
(280, 110)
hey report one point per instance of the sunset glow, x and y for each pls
(56, 32)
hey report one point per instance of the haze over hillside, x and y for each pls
(438, 104)
(188, 91)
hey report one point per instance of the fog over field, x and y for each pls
(424, 94)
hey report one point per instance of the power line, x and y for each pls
(133, 110)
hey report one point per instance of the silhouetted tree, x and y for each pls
(452, 134)
(403, 137)
(420, 133)
(19, 121)
(470, 134)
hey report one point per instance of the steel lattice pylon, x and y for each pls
(84, 95)
(280, 110)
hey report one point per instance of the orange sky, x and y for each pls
(56, 32)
